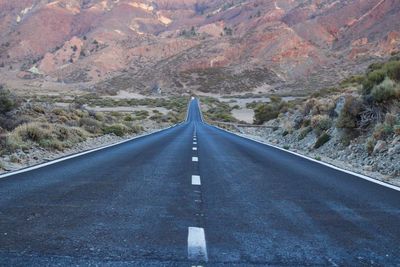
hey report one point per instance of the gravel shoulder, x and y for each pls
(37, 155)
(382, 165)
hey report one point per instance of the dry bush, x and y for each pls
(320, 124)
(382, 131)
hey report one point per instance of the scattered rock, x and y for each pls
(380, 147)
(394, 150)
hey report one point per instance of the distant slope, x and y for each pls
(246, 44)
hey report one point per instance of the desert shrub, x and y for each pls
(128, 117)
(80, 113)
(393, 70)
(369, 145)
(322, 140)
(69, 135)
(39, 109)
(396, 129)
(33, 132)
(52, 144)
(156, 117)
(59, 112)
(373, 78)
(136, 129)
(99, 116)
(304, 133)
(375, 66)
(117, 129)
(8, 101)
(382, 131)
(350, 114)
(385, 91)
(391, 119)
(352, 80)
(268, 111)
(91, 125)
(320, 123)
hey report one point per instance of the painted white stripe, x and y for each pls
(316, 161)
(195, 159)
(81, 153)
(194, 143)
(197, 249)
(196, 180)
(194, 148)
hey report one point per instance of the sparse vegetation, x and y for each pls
(322, 140)
(358, 121)
(217, 110)
(268, 111)
(38, 123)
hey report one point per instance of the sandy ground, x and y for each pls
(127, 109)
(244, 114)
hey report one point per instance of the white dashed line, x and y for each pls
(197, 249)
(195, 159)
(196, 180)
(194, 143)
(194, 148)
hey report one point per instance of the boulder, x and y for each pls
(380, 147)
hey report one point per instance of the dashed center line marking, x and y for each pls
(196, 180)
(194, 148)
(194, 143)
(195, 159)
(197, 249)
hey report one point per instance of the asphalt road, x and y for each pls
(216, 199)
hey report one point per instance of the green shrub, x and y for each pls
(304, 133)
(375, 66)
(396, 129)
(385, 91)
(99, 116)
(322, 140)
(393, 70)
(32, 132)
(128, 117)
(117, 129)
(8, 101)
(60, 112)
(320, 123)
(136, 129)
(268, 111)
(373, 78)
(350, 114)
(382, 131)
(90, 125)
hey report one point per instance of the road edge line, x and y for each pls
(78, 154)
(359, 175)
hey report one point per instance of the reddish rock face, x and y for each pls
(175, 42)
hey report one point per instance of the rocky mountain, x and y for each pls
(205, 45)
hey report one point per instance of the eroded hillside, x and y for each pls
(210, 46)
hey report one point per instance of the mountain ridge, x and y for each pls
(245, 45)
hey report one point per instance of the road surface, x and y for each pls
(194, 195)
